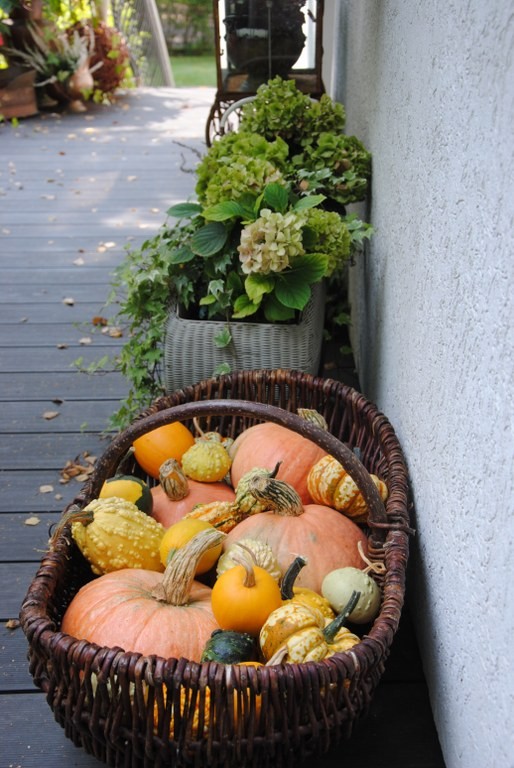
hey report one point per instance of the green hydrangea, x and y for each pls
(222, 152)
(328, 234)
(279, 110)
(338, 166)
(271, 243)
(241, 176)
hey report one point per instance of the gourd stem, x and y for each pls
(74, 515)
(247, 560)
(173, 480)
(281, 497)
(290, 576)
(335, 625)
(309, 414)
(179, 575)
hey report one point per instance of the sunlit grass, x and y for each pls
(191, 71)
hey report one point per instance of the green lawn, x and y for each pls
(190, 71)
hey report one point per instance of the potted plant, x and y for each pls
(251, 265)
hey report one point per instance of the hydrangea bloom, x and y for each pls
(271, 243)
(241, 176)
(331, 236)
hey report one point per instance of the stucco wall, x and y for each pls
(429, 88)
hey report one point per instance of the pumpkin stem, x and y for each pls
(281, 497)
(290, 576)
(173, 479)
(374, 567)
(335, 625)
(179, 575)
(246, 558)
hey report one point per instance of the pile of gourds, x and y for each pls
(238, 551)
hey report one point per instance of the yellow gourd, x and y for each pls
(113, 533)
(330, 484)
(206, 461)
(295, 633)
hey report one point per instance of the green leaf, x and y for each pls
(304, 203)
(184, 210)
(257, 285)
(223, 338)
(181, 255)
(276, 196)
(210, 239)
(275, 312)
(221, 369)
(293, 286)
(206, 301)
(228, 209)
(293, 293)
(243, 307)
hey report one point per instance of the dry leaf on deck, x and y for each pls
(48, 415)
(32, 521)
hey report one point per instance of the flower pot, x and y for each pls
(191, 355)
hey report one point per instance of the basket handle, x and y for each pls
(107, 464)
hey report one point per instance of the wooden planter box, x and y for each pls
(17, 93)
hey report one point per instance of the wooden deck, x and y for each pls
(74, 190)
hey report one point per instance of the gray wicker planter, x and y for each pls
(190, 354)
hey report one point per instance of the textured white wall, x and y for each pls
(429, 88)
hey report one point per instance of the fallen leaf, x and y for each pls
(32, 521)
(85, 340)
(62, 346)
(12, 623)
(57, 400)
(131, 178)
(97, 320)
(58, 496)
(49, 415)
(69, 301)
(114, 332)
(46, 488)
(79, 262)
(110, 244)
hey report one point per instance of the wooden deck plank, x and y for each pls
(31, 334)
(42, 359)
(20, 489)
(46, 451)
(66, 385)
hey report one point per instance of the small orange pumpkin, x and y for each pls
(170, 441)
(245, 595)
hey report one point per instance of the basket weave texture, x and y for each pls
(190, 352)
(142, 712)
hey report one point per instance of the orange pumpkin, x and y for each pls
(244, 596)
(321, 534)
(147, 612)
(170, 441)
(265, 445)
(167, 512)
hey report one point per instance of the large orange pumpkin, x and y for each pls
(265, 445)
(325, 538)
(146, 612)
(167, 511)
(170, 441)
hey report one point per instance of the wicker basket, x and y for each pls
(191, 355)
(117, 705)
